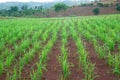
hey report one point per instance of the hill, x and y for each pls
(7, 5)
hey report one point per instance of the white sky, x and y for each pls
(27, 0)
(34, 0)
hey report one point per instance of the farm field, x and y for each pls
(70, 48)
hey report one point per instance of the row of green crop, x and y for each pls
(23, 49)
(17, 48)
(88, 67)
(36, 44)
(104, 33)
(22, 39)
(63, 58)
(41, 65)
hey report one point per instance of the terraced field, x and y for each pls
(70, 48)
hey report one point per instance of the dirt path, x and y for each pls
(102, 69)
(53, 67)
(76, 73)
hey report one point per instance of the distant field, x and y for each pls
(76, 48)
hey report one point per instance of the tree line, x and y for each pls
(15, 11)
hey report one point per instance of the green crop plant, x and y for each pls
(27, 57)
(33, 75)
(64, 56)
(110, 43)
(36, 75)
(41, 67)
(13, 77)
(101, 50)
(2, 45)
(114, 61)
(9, 60)
(1, 67)
(25, 45)
(65, 67)
(89, 71)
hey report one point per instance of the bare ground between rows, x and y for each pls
(76, 73)
(53, 67)
(3, 76)
(102, 69)
(28, 68)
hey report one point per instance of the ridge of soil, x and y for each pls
(76, 73)
(102, 69)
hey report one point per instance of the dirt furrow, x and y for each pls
(102, 69)
(25, 74)
(76, 73)
(3, 76)
(53, 66)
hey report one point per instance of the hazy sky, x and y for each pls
(27, 0)
(37, 0)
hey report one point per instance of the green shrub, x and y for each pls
(100, 4)
(118, 7)
(96, 11)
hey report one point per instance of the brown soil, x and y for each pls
(10, 69)
(32, 64)
(3, 76)
(29, 67)
(101, 68)
(53, 67)
(76, 73)
(80, 11)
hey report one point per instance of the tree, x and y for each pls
(14, 8)
(60, 6)
(96, 11)
(40, 8)
(118, 7)
(25, 7)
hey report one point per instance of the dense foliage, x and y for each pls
(96, 11)
(60, 6)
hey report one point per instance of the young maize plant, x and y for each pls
(46, 35)
(114, 61)
(1, 67)
(64, 56)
